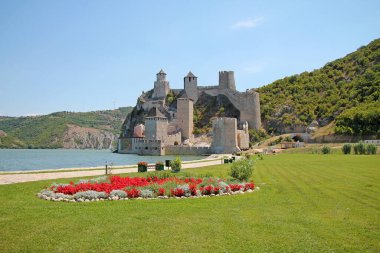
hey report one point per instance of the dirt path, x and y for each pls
(28, 177)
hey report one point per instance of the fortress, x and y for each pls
(154, 128)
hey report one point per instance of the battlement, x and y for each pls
(156, 118)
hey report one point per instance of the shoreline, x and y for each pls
(127, 166)
(24, 176)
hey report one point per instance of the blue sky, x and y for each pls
(91, 55)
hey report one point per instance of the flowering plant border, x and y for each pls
(150, 187)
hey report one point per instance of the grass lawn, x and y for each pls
(306, 203)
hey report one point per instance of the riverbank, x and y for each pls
(37, 175)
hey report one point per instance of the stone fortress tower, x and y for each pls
(190, 83)
(227, 80)
(169, 130)
(161, 86)
(185, 116)
(156, 128)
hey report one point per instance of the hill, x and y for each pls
(97, 129)
(346, 91)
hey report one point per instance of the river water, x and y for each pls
(41, 159)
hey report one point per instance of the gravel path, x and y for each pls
(28, 177)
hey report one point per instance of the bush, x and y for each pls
(242, 169)
(346, 149)
(176, 164)
(359, 148)
(371, 149)
(326, 150)
(159, 166)
(118, 193)
(146, 193)
(90, 195)
(142, 167)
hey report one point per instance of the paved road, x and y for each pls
(28, 177)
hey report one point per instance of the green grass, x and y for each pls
(307, 203)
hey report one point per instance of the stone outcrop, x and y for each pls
(87, 138)
(3, 134)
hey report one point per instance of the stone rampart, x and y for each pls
(248, 103)
(225, 136)
(186, 150)
(173, 138)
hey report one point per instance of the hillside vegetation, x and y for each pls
(346, 90)
(63, 129)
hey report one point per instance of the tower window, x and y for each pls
(189, 79)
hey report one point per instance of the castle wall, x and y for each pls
(173, 138)
(186, 150)
(248, 103)
(124, 145)
(149, 104)
(225, 136)
(243, 139)
(147, 147)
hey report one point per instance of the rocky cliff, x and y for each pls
(94, 130)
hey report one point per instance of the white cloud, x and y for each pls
(248, 23)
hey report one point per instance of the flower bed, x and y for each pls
(150, 187)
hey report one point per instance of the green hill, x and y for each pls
(63, 129)
(346, 90)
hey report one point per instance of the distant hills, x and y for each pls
(97, 129)
(345, 92)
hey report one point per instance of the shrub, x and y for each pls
(118, 193)
(142, 167)
(159, 166)
(326, 150)
(359, 148)
(146, 193)
(176, 164)
(101, 179)
(90, 195)
(346, 149)
(186, 190)
(242, 169)
(223, 187)
(371, 149)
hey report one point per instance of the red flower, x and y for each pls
(161, 192)
(133, 193)
(193, 189)
(178, 192)
(235, 187)
(249, 186)
(207, 190)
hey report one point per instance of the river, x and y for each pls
(42, 159)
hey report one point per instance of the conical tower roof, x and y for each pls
(190, 74)
(161, 72)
